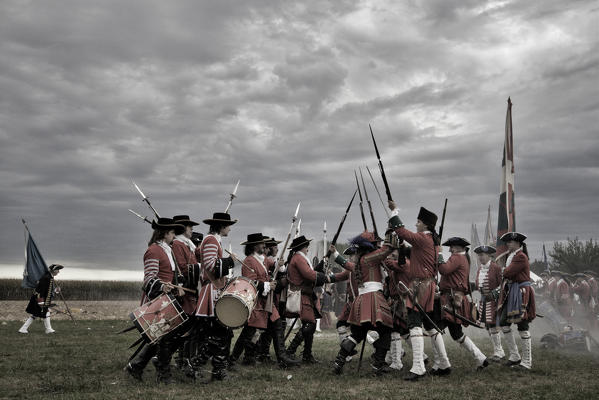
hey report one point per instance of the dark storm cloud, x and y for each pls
(187, 97)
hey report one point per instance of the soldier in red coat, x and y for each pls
(370, 310)
(517, 300)
(213, 277)
(161, 275)
(422, 273)
(563, 296)
(488, 282)
(454, 287)
(302, 277)
(351, 293)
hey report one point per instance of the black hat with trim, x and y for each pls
(220, 218)
(184, 220)
(485, 249)
(55, 267)
(512, 236)
(168, 224)
(255, 238)
(299, 242)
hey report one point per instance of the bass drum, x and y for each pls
(235, 304)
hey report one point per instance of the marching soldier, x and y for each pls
(184, 250)
(370, 310)
(488, 282)
(41, 300)
(161, 275)
(517, 301)
(563, 296)
(454, 287)
(302, 276)
(213, 276)
(422, 273)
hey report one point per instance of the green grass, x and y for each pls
(85, 361)
(10, 289)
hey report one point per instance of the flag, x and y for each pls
(490, 238)
(474, 243)
(506, 221)
(35, 266)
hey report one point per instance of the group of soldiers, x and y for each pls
(574, 296)
(394, 292)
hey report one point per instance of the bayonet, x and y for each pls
(361, 201)
(378, 155)
(377, 192)
(140, 216)
(233, 195)
(146, 199)
(376, 234)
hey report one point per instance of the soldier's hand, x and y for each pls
(180, 291)
(166, 288)
(332, 249)
(392, 205)
(273, 285)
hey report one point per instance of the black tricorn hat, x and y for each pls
(427, 217)
(299, 242)
(255, 238)
(456, 241)
(55, 267)
(485, 249)
(515, 236)
(272, 242)
(184, 220)
(220, 218)
(167, 224)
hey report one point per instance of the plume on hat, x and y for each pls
(361, 241)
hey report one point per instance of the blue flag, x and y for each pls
(35, 266)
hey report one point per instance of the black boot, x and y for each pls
(240, 344)
(308, 332)
(278, 340)
(263, 347)
(347, 347)
(163, 367)
(136, 366)
(297, 340)
(378, 363)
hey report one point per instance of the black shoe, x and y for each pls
(164, 377)
(413, 377)
(382, 369)
(133, 372)
(218, 377)
(509, 363)
(495, 359)
(484, 365)
(441, 372)
(519, 368)
(310, 360)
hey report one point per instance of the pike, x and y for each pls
(298, 228)
(376, 234)
(442, 221)
(419, 307)
(361, 201)
(377, 192)
(378, 155)
(145, 198)
(140, 216)
(233, 195)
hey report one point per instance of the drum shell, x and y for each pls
(236, 302)
(158, 317)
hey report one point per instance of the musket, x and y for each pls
(442, 221)
(377, 192)
(282, 251)
(419, 307)
(376, 234)
(145, 198)
(140, 216)
(233, 195)
(334, 241)
(464, 319)
(361, 201)
(378, 155)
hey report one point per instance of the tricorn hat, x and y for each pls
(255, 238)
(220, 218)
(513, 236)
(184, 220)
(485, 249)
(350, 250)
(167, 224)
(456, 241)
(427, 217)
(299, 242)
(55, 267)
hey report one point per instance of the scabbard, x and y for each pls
(460, 317)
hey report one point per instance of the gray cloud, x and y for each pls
(187, 97)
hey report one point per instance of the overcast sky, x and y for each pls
(187, 97)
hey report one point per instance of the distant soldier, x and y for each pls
(42, 299)
(488, 282)
(161, 275)
(422, 273)
(563, 296)
(213, 276)
(517, 300)
(454, 287)
(370, 310)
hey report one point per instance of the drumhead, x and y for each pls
(231, 311)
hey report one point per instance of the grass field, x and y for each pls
(85, 361)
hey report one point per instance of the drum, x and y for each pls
(236, 302)
(158, 317)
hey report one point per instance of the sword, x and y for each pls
(140, 216)
(233, 195)
(145, 198)
(378, 155)
(419, 307)
(377, 192)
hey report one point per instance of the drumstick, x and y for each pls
(237, 259)
(179, 287)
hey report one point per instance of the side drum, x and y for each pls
(236, 302)
(158, 317)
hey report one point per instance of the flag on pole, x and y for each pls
(506, 221)
(35, 266)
